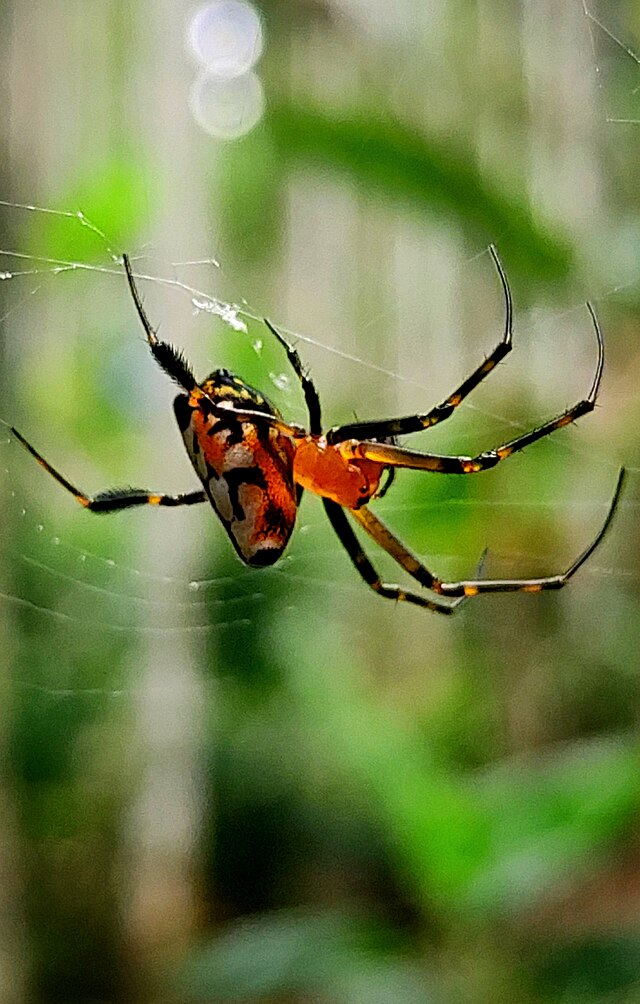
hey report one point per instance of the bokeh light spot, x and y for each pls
(227, 108)
(226, 37)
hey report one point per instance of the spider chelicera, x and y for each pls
(254, 466)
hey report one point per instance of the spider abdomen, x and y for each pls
(246, 471)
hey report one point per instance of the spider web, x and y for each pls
(173, 604)
(113, 594)
(101, 593)
(606, 47)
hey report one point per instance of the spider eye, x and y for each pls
(364, 495)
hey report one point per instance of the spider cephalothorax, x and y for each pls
(254, 466)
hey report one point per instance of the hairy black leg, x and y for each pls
(170, 359)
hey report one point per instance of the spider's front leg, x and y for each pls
(395, 456)
(415, 423)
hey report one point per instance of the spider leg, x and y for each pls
(313, 404)
(174, 363)
(113, 498)
(310, 393)
(398, 457)
(349, 541)
(415, 423)
(224, 410)
(471, 587)
(171, 360)
(309, 388)
(389, 478)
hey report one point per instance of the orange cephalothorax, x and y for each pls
(321, 467)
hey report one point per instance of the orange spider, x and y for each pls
(254, 466)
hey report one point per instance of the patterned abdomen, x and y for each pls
(245, 468)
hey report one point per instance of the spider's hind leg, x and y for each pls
(473, 587)
(390, 591)
(113, 498)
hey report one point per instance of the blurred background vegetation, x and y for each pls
(265, 786)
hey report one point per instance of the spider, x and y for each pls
(254, 466)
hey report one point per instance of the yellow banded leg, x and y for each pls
(113, 498)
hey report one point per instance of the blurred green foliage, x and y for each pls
(389, 809)
(441, 179)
